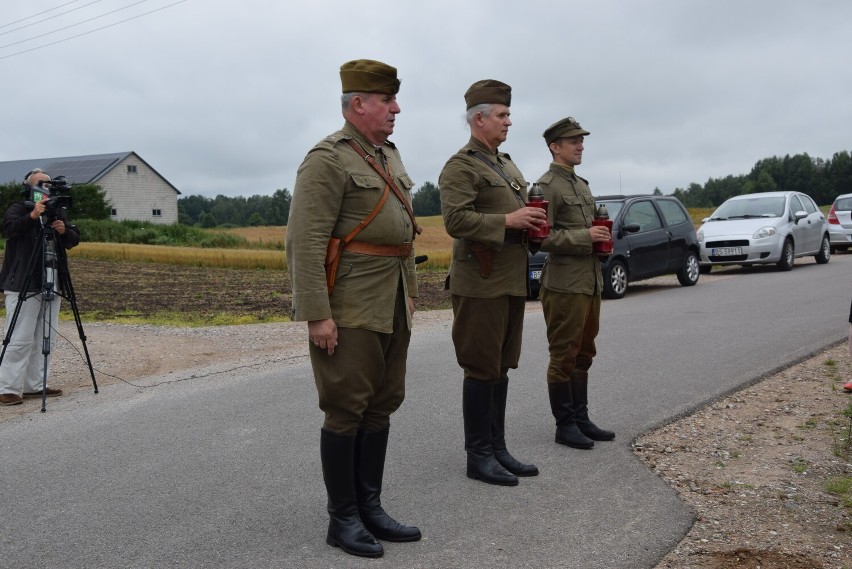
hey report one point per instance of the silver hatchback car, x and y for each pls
(770, 227)
(840, 223)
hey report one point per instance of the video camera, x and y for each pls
(58, 191)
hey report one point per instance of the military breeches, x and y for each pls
(487, 335)
(363, 382)
(573, 321)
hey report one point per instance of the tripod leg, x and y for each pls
(67, 291)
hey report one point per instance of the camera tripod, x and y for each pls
(56, 281)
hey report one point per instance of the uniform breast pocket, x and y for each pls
(404, 182)
(367, 182)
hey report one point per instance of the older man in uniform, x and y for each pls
(483, 197)
(571, 286)
(359, 333)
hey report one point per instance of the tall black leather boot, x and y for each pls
(561, 405)
(370, 450)
(345, 529)
(477, 411)
(580, 393)
(498, 433)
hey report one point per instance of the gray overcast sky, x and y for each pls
(227, 97)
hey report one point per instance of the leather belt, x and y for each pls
(379, 250)
(515, 237)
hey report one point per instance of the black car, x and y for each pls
(652, 236)
(536, 266)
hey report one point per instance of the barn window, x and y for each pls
(113, 211)
(131, 168)
(157, 212)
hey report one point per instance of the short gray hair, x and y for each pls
(346, 99)
(34, 171)
(484, 108)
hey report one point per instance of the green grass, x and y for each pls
(178, 320)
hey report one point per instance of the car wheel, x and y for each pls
(615, 280)
(787, 256)
(824, 251)
(688, 273)
(705, 269)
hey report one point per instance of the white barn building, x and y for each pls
(133, 188)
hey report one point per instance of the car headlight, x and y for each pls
(764, 232)
(700, 236)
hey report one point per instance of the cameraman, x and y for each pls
(22, 369)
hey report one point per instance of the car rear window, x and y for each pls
(843, 204)
(673, 213)
(612, 208)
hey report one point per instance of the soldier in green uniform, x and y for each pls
(359, 334)
(571, 284)
(483, 197)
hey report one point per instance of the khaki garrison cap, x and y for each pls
(566, 128)
(488, 91)
(368, 76)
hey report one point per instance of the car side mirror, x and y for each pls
(800, 215)
(629, 228)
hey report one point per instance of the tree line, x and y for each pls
(823, 180)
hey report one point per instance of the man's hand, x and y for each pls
(38, 209)
(526, 218)
(323, 334)
(59, 226)
(599, 233)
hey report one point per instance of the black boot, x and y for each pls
(477, 411)
(561, 405)
(498, 434)
(580, 394)
(345, 529)
(370, 449)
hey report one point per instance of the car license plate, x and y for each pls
(535, 275)
(726, 251)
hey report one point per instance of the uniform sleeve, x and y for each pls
(317, 198)
(459, 185)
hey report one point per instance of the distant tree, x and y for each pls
(89, 202)
(255, 220)
(207, 220)
(427, 200)
(658, 192)
(237, 211)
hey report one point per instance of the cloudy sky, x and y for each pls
(226, 97)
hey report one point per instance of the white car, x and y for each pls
(840, 223)
(770, 227)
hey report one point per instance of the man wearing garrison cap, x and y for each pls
(571, 285)
(359, 315)
(483, 197)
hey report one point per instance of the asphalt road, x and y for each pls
(224, 471)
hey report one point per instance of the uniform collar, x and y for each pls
(350, 130)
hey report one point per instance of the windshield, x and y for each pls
(750, 208)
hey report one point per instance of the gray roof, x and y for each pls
(77, 169)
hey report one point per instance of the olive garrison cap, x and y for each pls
(488, 91)
(566, 128)
(368, 76)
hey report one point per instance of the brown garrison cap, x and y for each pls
(566, 128)
(368, 76)
(488, 91)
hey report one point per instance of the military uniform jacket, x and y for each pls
(335, 190)
(571, 266)
(474, 202)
